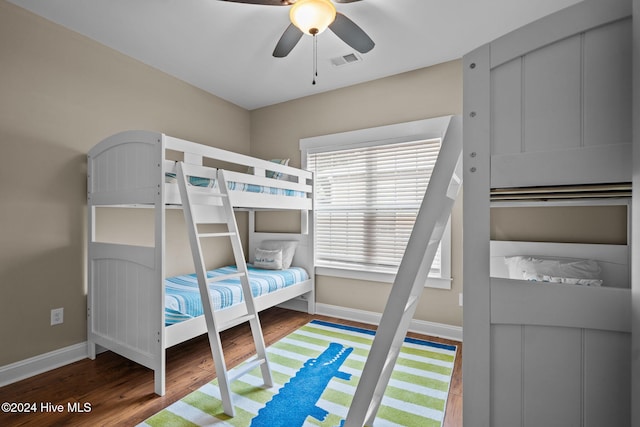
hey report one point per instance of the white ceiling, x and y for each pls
(225, 48)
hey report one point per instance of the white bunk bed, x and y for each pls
(126, 291)
(548, 105)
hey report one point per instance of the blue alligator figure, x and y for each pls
(297, 399)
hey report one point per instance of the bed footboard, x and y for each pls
(121, 315)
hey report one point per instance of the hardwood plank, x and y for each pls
(120, 392)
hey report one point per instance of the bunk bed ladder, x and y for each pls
(414, 268)
(225, 377)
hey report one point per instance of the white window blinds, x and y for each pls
(367, 200)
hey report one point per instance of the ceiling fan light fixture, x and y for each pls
(312, 16)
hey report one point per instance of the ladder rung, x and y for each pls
(223, 277)
(452, 194)
(412, 300)
(208, 194)
(236, 321)
(438, 230)
(211, 222)
(389, 365)
(225, 234)
(236, 373)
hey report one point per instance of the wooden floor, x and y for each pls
(116, 391)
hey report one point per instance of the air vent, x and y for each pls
(349, 58)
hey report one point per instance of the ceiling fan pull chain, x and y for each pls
(315, 58)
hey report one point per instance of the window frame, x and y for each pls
(383, 135)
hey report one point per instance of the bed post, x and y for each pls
(160, 216)
(91, 230)
(477, 292)
(635, 220)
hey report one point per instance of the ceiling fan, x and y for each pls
(313, 17)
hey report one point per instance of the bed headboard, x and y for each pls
(560, 111)
(613, 259)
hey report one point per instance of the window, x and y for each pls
(369, 185)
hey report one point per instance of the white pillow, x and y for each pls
(288, 248)
(269, 260)
(557, 270)
(569, 280)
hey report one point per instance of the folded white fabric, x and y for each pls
(554, 270)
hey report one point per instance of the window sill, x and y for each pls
(372, 276)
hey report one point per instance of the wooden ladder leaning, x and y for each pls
(191, 213)
(427, 232)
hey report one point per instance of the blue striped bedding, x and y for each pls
(237, 186)
(182, 296)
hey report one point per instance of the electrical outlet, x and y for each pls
(57, 316)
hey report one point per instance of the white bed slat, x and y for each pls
(246, 199)
(552, 97)
(506, 368)
(139, 196)
(552, 353)
(267, 182)
(607, 378)
(185, 330)
(506, 91)
(559, 304)
(231, 157)
(587, 165)
(607, 57)
(211, 173)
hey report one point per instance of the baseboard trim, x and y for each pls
(419, 326)
(32, 366)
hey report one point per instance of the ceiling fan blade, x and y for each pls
(345, 1)
(288, 41)
(351, 34)
(264, 2)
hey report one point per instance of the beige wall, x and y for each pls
(569, 224)
(424, 93)
(60, 93)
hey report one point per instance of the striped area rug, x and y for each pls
(316, 370)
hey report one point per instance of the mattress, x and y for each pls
(236, 186)
(182, 296)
